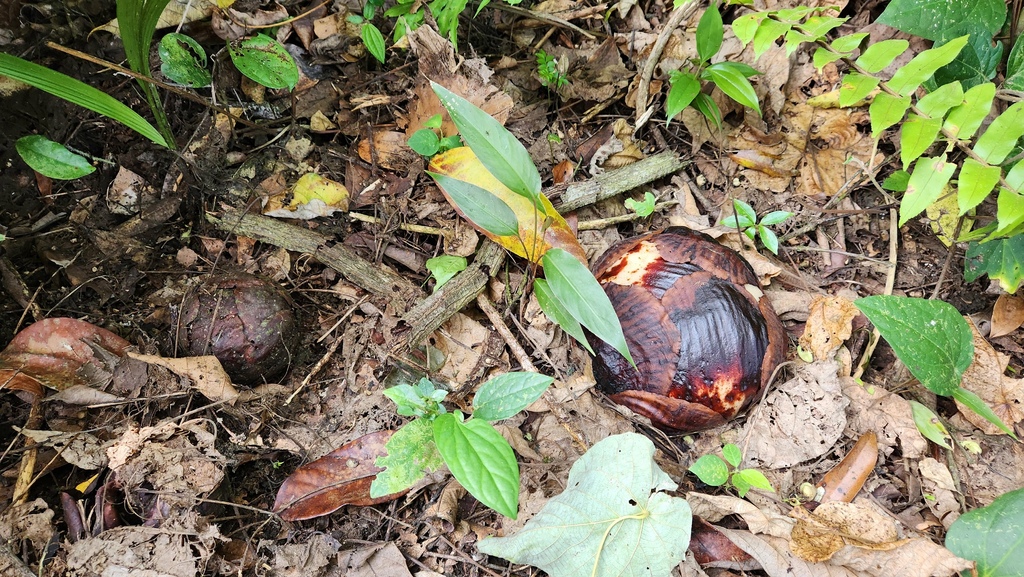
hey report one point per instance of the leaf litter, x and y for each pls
(165, 469)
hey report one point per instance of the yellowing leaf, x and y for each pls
(312, 196)
(944, 214)
(539, 230)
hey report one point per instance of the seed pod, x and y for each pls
(704, 337)
(243, 320)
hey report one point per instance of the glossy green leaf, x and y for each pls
(479, 205)
(768, 239)
(909, 78)
(265, 61)
(706, 106)
(1001, 259)
(849, 43)
(855, 88)
(557, 313)
(975, 403)
(77, 92)
(775, 217)
(746, 26)
(1000, 137)
(732, 454)
(733, 82)
(52, 159)
(711, 470)
(885, 111)
(744, 211)
(481, 460)
(579, 292)
(684, 88)
(818, 26)
(976, 181)
(411, 453)
(991, 536)
(929, 425)
(183, 60)
(751, 478)
(1009, 212)
(975, 64)
(881, 54)
(642, 208)
(964, 120)
(425, 142)
(1015, 176)
(507, 394)
(927, 181)
(444, 267)
(613, 519)
(1015, 66)
(932, 19)
(374, 41)
(938, 102)
(929, 336)
(767, 33)
(917, 135)
(710, 33)
(823, 57)
(500, 152)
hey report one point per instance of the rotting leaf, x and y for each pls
(614, 518)
(311, 197)
(205, 373)
(341, 477)
(51, 352)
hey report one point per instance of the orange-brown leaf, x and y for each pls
(462, 164)
(341, 477)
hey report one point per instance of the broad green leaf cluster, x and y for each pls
(479, 458)
(718, 471)
(745, 220)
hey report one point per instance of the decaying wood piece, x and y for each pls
(375, 279)
(615, 182)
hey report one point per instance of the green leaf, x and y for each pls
(929, 336)
(746, 26)
(557, 313)
(926, 184)
(767, 33)
(1015, 66)
(265, 61)
(183, 60)
(768, 239)
(711, 470)
(77, 92)
(507, 394)
(434, 122)
(684, 88)
(1015, 176)
(897, 181)
(416, 401)
(137, 21)
(975, 64)
(794, 40)
(909, 78)
(964, 120)
(612, 519)
(425, 142)
(938, 102)
(575, 287)
(444, 267)
(733, 82)
(855, 88)
(732, 454)
(932, 19)
(1001, 136)
(976, 181)
(885, 111)
(52, 159)
(818, 26)
(751, 478)
(917, 135)
(929, 425)
(374, 41)
(1001, 259)
(1009, 212)
(976, 404)
(479, 205)
(823, 57)
(881, 54)
(499, 151)
(849, 43)
(710, 33)
(481, 460)
(991, 536)
(775, 217)
(411, 453)
(744, 211)
(450, 142)
(643, 208)
(706, 106)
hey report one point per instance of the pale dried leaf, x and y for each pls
(829, 324)
(205, 373)
(1007, 315)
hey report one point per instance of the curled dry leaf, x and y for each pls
(341, 477)
(819, 535)
(829, 324)
(1007, 315)
(206, 373)
(711, 548)
(52, 352)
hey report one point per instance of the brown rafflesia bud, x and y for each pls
(244, 321)
(704, 337)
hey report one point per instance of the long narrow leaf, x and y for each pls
(504, 156)
(479, 205)
(137, 21)
(77, 92)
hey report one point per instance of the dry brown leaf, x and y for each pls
(842, 482)
(1007, 315)
(889, 416)
(205, 374)
(829, 324)
(937, 481)
(984, 377)
(373, 561)
(388, 149)
(820, 534)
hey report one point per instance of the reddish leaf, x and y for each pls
(51, 352)
(341, 477)
(711, 548)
